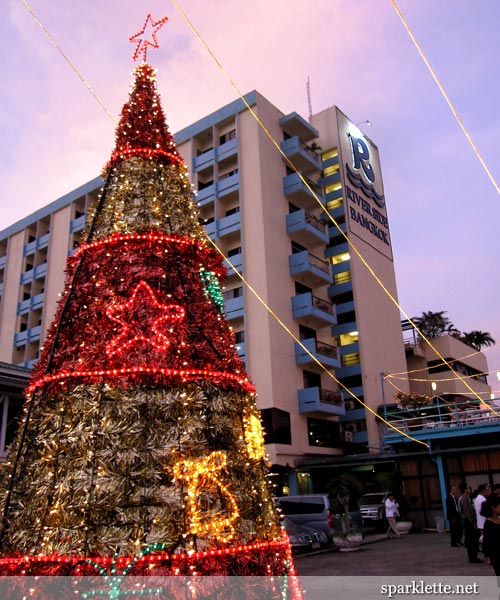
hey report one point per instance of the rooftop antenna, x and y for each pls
(309, 104)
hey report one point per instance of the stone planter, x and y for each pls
(404, 527)
(348, 542)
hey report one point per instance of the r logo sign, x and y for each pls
(361, 157)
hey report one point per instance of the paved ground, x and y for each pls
(421, 554)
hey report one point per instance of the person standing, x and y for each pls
(469, 522)
(391, 512)
(491, 532)
(482, 492)
(454, 518)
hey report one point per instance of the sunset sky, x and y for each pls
(443, 208)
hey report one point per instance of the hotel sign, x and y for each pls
(364, 199)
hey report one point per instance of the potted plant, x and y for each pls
(342, 491)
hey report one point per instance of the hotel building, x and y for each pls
(327, 280)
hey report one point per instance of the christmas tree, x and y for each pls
(141, 434)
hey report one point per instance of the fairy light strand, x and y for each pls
(61, 52)
(445, 96)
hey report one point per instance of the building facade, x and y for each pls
(326, 279)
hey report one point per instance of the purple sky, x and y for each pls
(442, 206)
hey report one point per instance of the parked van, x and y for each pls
(313, 510)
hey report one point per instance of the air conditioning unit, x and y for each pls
(348, 436)
(349, 404)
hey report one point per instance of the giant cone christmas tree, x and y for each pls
(141, 429)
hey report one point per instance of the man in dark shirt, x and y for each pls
(454, 518)
(469, 522)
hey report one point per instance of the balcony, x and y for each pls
(309, 309)
(34, 333)
(40, 271)
(228, 183)
(326, 354)
(318, 400)
(228, 225)
(305, 228)
(342, 248)
(241, 350)
(342, 283)
(236, 261)
(33, 303)
(234, 308)
(300, 155)
(444, 420)
(314, 270)
(345, 307)
(298, 192)
(227, 150)
(294, 124)
(20, 339)
(204, 159)
(206, 194)
(3, 261)
(350, 365)
(29, 248)
(26, 277)
(77, 224)
(211, 229)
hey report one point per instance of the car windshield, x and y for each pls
(301, 507)
(373, 499)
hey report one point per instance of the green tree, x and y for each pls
(477, 339)
(434, 324)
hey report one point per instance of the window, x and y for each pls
(296, 248)
(239, 337)
(300, 288)
(234, 251)
(343, 277)
(276, 424)
(347, 317)
(306, 333)
(323, 434)
(232, 211)
(227, 137)
(312, 379)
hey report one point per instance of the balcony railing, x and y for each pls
(447, 417)
(326, 349)
(324, 305)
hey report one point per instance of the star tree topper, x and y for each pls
(140, 37)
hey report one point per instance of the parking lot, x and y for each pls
(418, 554)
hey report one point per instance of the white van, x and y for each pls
(310, 510)
(313, 510)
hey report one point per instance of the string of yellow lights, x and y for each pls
(318, 200)
(445, 96)
(59, 49)
(391, 376)
(436, 365)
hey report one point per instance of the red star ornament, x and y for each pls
(139, 38)
(143, 321)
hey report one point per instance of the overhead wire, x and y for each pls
(70, 63)
(445, 96)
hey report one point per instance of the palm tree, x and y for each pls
(433, 324)
(477, 339)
